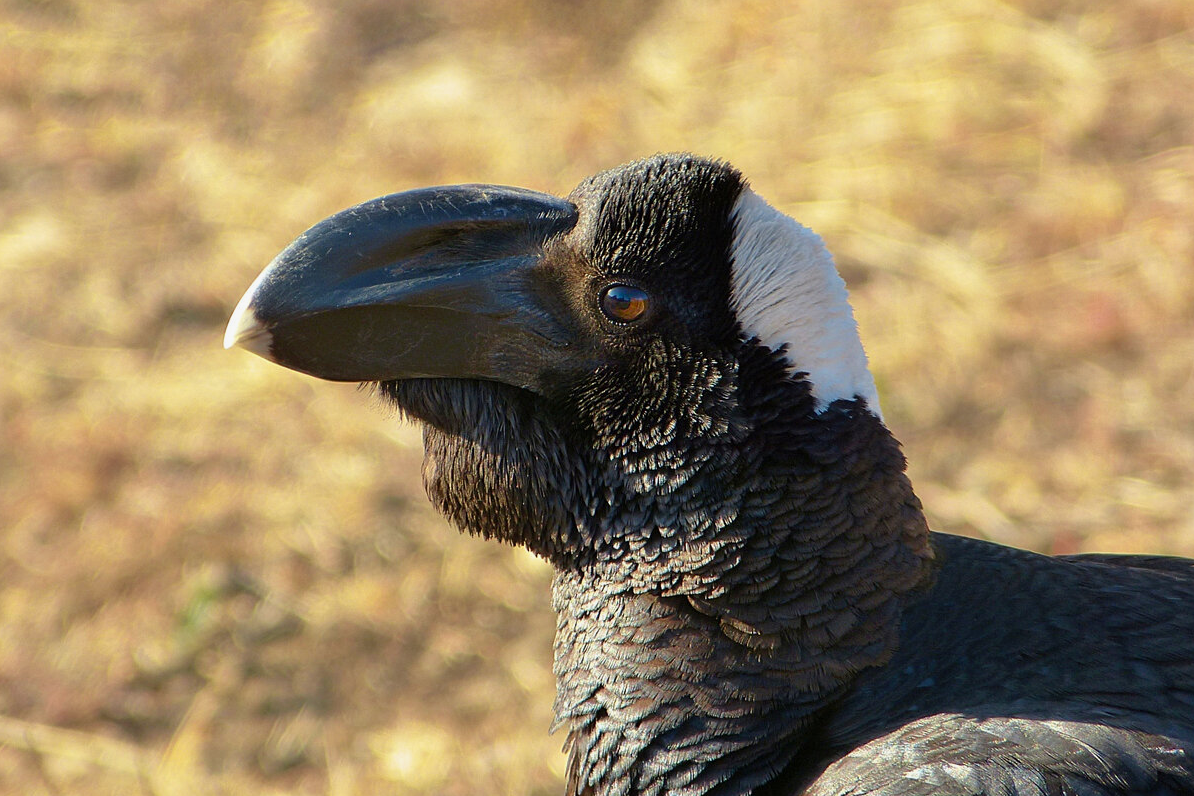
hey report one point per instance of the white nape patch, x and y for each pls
(787, 291)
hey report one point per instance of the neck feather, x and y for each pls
(700, 669)
(723, 574)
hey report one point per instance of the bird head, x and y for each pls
(627, 349)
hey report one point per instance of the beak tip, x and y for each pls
(246, 330)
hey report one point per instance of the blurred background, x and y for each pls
(217, 576)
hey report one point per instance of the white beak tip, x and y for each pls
(245, 330)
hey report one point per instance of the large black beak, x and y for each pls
(436, 282)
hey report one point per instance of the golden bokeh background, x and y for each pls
(217, 576)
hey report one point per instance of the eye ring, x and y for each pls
(624, 304)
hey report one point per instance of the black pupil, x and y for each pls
(624, 303)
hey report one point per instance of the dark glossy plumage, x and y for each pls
(749, 598)
(1021, 673)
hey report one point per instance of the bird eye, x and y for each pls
(624, 303)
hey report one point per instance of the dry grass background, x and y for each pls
(217, 576)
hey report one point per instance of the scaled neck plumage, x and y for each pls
(702, 671)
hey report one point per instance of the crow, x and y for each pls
(657, 385)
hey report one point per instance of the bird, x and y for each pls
(657, 384)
